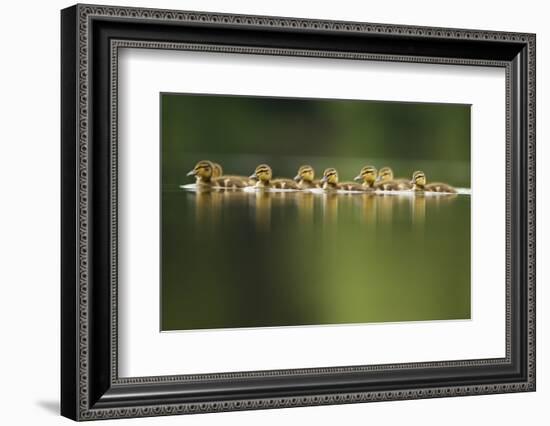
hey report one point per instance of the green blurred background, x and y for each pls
(241, 132)
(265, 259)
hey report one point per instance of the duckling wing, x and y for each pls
(395, 185)
(245, 179)
(351, 186)
(440, 187)
(309, 184)
(284, 184)
(403, 183)
(379, 185)
(230, 182)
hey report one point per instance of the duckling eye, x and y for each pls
(205, 167)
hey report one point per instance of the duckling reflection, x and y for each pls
(418, 209)
(330, 207)
(419, 184)
(305, 203)
(368, 210)
(208, 206)
(442, 199)
(305, 178)
(264, 179)
(262, 210)
(385, 208)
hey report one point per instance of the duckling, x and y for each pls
(305, 178)
(206, 176)
(386, 182)
(367, 177)
(264, 179)
(330, 182)
(218, 173)
(419, 184)
(203, 172)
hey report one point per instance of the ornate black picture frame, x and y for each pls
(91, 387)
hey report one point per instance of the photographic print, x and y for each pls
(293, 212)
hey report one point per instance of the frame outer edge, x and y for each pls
(69, 220)
(531, 200)
(83, 13)
(83, 61)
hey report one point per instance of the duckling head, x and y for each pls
(385, 174)
(419, 179)
(367, 175)
(203, 171)
(217, 170)
(305, 173)
(330, 176)
(262, 174)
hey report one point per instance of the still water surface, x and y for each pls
(239, 259)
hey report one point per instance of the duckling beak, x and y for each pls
(323, 179)
(358, 178)
(192, 173)
(253, 176)
(297, 178)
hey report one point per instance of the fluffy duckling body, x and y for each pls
(367, 177)
(330, 182)
(386, 181)
(207, 175)
(305, 178)
(419, 184)
(231, 179)
(263, 176)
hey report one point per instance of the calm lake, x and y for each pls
(239, 259)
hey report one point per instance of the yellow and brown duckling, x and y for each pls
(207, 175)
(203, 172)
(330, 182)
(367, 177)
(419, 184)
(305, 178)
(263, 176)
(386, 181)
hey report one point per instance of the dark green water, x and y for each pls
(240, 259)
